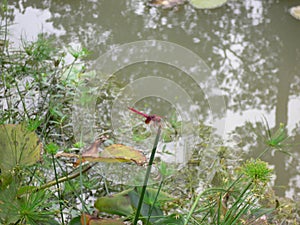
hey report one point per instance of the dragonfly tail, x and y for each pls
(138, 112)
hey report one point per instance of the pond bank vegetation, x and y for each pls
(37, 88)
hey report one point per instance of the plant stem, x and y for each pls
(193, 208)
(262, 153)
(156, 197)
(5, 4)
(58, 190)
(72, 186)
(81, 192)
(65, 178)
(138, 210)
(22, 100)
(236, 205)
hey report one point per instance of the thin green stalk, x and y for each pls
(70, 183)
(241, 212)
(65, 178)
(77, 195)
(219, 209)
(22, 101)
(49, 92)
(5, 4)
(237, 204)
(194, 207)
(32, 175)
(262, 153)
(155, 199)
(106, 187)
(58, 190)
(45, 124)
(138, 211)
(71, 67)
(81, 191)
(198, 199)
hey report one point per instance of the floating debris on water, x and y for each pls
(166, 4)
(295, 12)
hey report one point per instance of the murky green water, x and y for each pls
(251, 48)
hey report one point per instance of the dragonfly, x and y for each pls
(149, 118)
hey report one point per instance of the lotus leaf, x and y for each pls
(125, 203)
(118, 204)
(18, 147)
(207, 4)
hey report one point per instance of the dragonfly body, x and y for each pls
(149, 118)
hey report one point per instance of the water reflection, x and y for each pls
(252, 48)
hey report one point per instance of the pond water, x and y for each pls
(248, 54)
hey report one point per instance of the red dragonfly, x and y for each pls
(154, 118)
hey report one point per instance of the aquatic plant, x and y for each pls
(205, 4)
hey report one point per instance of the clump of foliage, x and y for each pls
(36, 90)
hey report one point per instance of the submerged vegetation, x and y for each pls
(37, 88)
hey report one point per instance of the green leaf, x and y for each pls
(123, 203)
(146, 206)
(9, 204)
(118, 204)
(73, 74)
(51, 222)
(151, 193)
(78, 52)
(207, 4)
(276, 140)
(75, 221)
(18, 147)
(170, 220)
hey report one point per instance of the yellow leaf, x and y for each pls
(115, 153)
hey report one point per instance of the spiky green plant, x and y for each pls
(257, 171)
